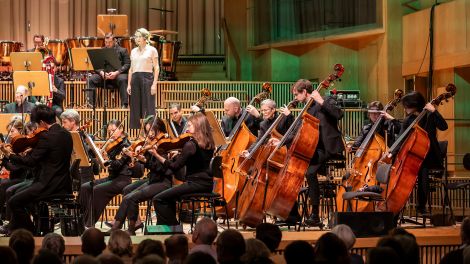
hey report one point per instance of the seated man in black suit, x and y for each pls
(52, 156)
(233, 112)
(21, 104)
(116, 78)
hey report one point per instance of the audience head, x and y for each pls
(232, 107)
(93, 242)
(149, 247)
(85, 259)
(43, 115)
(345, 233)
(7, 255)
(120, 243)
(255, 250)
(199, 257)
(205, 231)
(230, 246)
(382, 255)
(54, 243)
(269, 234)
(410, 248)
(177, 248)
(22, 242)
(393, 244)
(465, 231)
(70, 119)
(109, 258)
(46, 256)
(299, 252)
(151, 259)
(331, 249)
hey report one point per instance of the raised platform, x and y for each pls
(434, 242)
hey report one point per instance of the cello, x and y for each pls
(364, 164)
(290, 174)
(238, 140)
(403, 173)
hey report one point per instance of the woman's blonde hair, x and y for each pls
(144, 33)
(120, 243)
(202, 131)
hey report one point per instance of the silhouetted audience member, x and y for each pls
(176, 249)
(109, 258)
(8, 255)
(299, 252)
(330, 249)
(22, 242)
(392, 243)
(230, 247)
(382, 255)
(93, 242)
(256, 251)
(203, 237)
(149, 247)
(151, 259)
(345, 233)
(200, 257)
(271, 236)
(85, 259)
(456, 256)
(54, 243)
(120, 243)
(410, 248)
(46, 256)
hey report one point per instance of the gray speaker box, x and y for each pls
(366, 224)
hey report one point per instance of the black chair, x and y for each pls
(207, 200)
(62, 208)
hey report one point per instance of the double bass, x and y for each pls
(238, 140)
(364, 164)
(290, 174)
(403, 173)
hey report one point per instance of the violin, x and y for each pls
(164, 145)
(112, 143)
(20, 143)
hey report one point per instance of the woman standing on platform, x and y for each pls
(196, 156)
(143, 76)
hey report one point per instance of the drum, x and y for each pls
(58, 48)
(127, 43)
(169, 52)
(7, 47)
(85, 42)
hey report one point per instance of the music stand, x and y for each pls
(116, 24)
(217, 133)
(26, 61)
(78, 150)
(6, 118)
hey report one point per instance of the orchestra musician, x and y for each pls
(71, 122)
(388, 130)
(143, 77)
(233, 111)
(177, 119)
(414, 103)
(329, 145)
(158, 180)
(39, 45)
(268, 109)
(117, 78)
(196, 156)
(21, 104)
(52, 155)
(119, 176)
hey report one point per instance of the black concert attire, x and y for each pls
(179, 127)
(52, 157)
(59, 96)
(282, 127)
(330, 144)
(120, 81)
(142, 102)
(158, 180)
(26, 107)
(17, 174)
(433, 160)
(251, 122)
(87, 173)
(198, 179)
(391, 127)
(106, 188)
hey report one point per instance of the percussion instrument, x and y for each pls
(85, 42)
(6, 48)
(58, 49)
